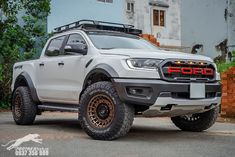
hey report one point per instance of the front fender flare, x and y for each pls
(104, 69)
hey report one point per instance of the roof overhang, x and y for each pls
(159, 4)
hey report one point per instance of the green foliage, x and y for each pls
(223, 66)
(233, 53)
(19, 41)
(5, 102)
(1, 73)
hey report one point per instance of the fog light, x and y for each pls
(139, 91)
(133, 91)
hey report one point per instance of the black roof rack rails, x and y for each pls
(100, 25)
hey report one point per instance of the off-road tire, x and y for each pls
(123, 114)
(197, 122)
(24, 110)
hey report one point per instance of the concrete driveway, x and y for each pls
(149, 137)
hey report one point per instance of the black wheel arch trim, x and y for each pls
(101, 68)
(26, 77)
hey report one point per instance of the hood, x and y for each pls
(158, 54)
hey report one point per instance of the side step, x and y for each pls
(58, 107)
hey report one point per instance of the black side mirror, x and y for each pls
(76, 48)
(53, 53)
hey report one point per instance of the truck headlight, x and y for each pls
(137, 63)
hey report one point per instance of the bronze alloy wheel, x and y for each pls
(17, 105)
(24, 110)
(102, 114)
(100, 111)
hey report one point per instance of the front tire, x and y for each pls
(196, 122)
(102, 114)
(24, 110)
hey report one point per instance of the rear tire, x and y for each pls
(102, 114)
(196, 122)
(24, 110)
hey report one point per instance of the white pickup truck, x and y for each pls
(108, 75)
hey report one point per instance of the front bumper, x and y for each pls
(165, 96)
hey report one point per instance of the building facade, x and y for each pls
(159, 18)
(203, 26)
(230, 14)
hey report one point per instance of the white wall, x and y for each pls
(231, 25)
(203, 22)
(170, 34)
(142, 18)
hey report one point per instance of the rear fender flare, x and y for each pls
(26, 77)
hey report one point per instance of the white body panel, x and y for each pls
(60, 83)
(64, 83)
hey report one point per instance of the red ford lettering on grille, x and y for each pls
(186, 71)
(208, 71)
(190, 71)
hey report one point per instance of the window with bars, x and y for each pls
(130, 7)
(159, 17)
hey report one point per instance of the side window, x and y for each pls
(76, 39)
(75, 45)
(54, 46)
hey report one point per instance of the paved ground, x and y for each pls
(149, 137)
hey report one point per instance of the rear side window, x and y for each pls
(54, 46)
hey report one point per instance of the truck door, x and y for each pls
(47, 84)
(59, 75)
(71, 70)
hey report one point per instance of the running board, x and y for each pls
(58, 107)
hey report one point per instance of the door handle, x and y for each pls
(41, 64)
(61, 63)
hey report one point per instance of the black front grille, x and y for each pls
(190, 64)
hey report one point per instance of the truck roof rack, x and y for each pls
(100, 25)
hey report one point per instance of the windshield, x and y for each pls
(103, 41)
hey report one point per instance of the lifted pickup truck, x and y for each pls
(108, 74)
